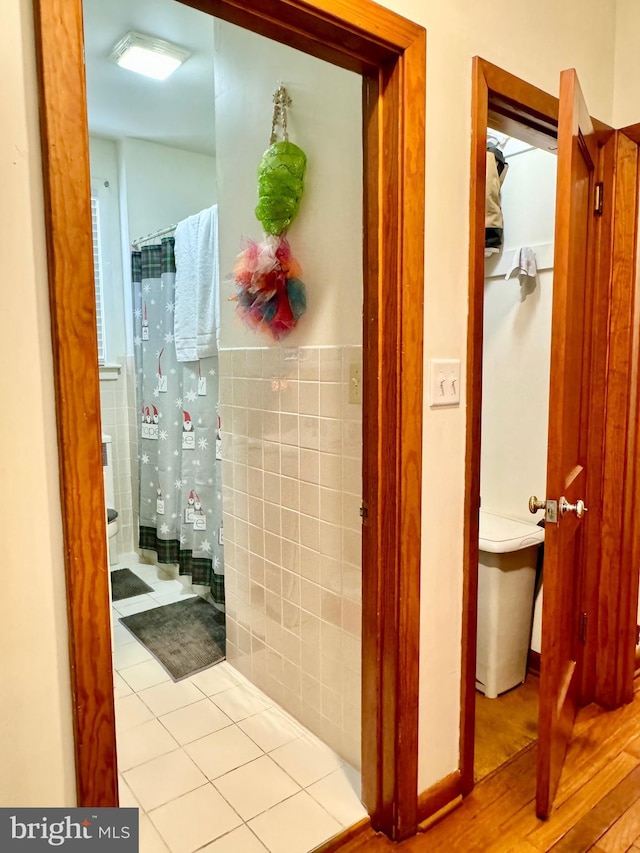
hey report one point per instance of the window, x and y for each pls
(98, 276)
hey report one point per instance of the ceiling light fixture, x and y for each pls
(148, 55)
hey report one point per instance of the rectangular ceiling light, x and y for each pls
(147, 55)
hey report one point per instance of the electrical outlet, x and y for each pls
(355, 383)
(444, 382)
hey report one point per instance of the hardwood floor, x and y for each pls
(505, 725)
(597, 807)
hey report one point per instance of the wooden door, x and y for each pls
(562, 621)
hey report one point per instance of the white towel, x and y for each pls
(197, 306)
(524, 262)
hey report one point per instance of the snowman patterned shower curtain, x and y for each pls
(179, 432)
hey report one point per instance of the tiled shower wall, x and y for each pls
(119, 420)
(292, 484)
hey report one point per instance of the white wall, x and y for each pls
(556, 35)
(293, 625)
(164, 185)
(534, 41)
(36, 742)
(104, 180)
(517, 342)
(325, 121)
(626, 103)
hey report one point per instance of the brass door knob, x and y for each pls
(535, 504)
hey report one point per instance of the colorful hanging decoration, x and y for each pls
(270, 295)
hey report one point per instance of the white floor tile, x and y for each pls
(163, 779)
(126, 800)
(223, 751)
(129, 606)
(165, 587)
(195, 721)
(129, 655)
(150, 841)
(144, 675)
(194, 819)
(241, 840)
(142, 743)
(270, 729)
(172, 598)
(130, 712)
(169, 696)
(296, 825)
(149, 574)
(217, 678)
(241, 702)
(335, 794)
(256, 787)
(306, 759)
(121, 636)
(120, 686)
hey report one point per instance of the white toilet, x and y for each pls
(506, 580)
(109, 499)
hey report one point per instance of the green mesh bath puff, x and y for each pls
(280, 185)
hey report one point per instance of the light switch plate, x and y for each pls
(444, 382)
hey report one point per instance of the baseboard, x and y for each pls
(441, 797)
(354, 838)
(533, 662)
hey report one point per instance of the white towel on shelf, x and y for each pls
(197, 305)
(524, 263)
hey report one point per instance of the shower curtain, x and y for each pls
(178, 428)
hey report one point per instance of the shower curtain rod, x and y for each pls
(135, 244)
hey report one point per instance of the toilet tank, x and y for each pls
(107, 470)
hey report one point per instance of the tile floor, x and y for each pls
(211, 762)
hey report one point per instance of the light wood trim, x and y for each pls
(631, 529)
(597, 343)
(479, 116)
(355, 34)
(65, 153)
(439, 796)
(390, 51)
(619, 581)
(615, 641)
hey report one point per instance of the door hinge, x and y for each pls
(637, 635)
(599, 198)
(364, 512)
(583, 627)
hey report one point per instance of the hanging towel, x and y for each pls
(197, 306)
(524, 263)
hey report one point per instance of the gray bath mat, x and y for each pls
(185, 637)
(124, 584)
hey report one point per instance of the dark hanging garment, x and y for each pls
(496, 173)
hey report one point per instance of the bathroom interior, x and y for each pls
(518, 291)
(233, 463)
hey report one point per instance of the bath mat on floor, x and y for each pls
(185, 637)
(124, 584)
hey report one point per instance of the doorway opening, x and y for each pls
(516, 344)
(238, 669)
(392, 53)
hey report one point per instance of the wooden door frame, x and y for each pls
(390, 52)
(618, 582)
(515, 107)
